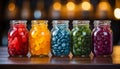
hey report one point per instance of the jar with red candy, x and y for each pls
(102, 38)
(18, 38)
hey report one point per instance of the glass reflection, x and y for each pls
(37, 60)
(102, 60)
(81, 60)
(60, 60)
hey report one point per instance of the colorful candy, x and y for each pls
(18, 38)
(102, 38)
(60, 38)
(81, 38)
(39, 38)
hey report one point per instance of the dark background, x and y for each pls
(5, 25)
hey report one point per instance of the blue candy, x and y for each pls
(61, 41)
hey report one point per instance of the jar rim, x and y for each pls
(39, 21)
(102, 22)
(18, 21)
(60, 21)
(80, 22)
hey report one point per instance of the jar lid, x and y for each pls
(80, 22)
(60, 21)
(102, 22)
(18, 21)
(39, 21)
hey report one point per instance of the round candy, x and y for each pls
(61, 41)
(81, 41)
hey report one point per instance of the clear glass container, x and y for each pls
(102, 38)
(39, 38)
(60, 38)
(18, 38)
(81, 38)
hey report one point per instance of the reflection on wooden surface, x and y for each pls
(114, 59)
(37, 60)
(81, 60)
(116, 55)
(102, 60)
(60, 60)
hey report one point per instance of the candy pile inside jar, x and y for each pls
(18, 38)
(39, 39)
(102, 38)
(81, 38)
(60, 40)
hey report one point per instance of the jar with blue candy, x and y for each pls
(60, 38)
(81, 38)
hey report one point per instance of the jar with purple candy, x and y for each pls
(102, 38)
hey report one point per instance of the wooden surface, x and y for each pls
(112, 62)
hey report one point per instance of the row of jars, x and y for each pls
(80, 41)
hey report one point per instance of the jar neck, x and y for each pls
(60, 24)
(42, 24)
(102, 24)
(18, 23)
(78, 23)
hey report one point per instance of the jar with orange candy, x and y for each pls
(39, 38)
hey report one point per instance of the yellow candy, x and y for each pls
(39, 39)
(37, 48)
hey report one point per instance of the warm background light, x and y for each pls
(70, 6)
(11, 10)
(104, 6)
(55, 9)
(26, 13)
(104, 10)
(116, 55)
(11, 7)
(86, 9)
(117, 13)
(117, 9)
(57, 6)
(86, 6)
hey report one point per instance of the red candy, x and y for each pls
(18, 40)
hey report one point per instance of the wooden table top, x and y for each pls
(112, 62)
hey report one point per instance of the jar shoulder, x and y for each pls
(98, 31)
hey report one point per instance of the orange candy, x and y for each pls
(39, 38)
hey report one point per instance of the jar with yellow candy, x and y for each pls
(39, 38)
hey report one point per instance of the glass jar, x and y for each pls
(18, 38)
(60, 38)
(102, 38)
(39, 38)
(81, 38)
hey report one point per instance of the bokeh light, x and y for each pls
(86, 6)
(11, 7)
(70, 6)
(104, 6)
(117, 13)
(57, 6)
(37, 14)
